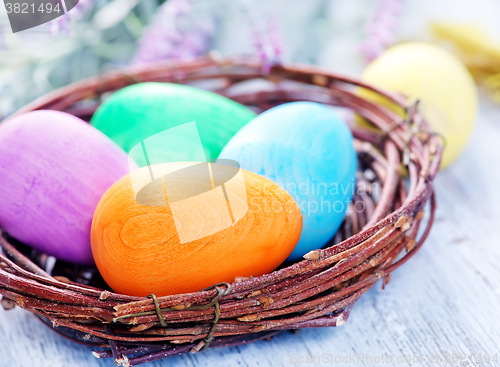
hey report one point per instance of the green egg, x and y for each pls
(164, 122)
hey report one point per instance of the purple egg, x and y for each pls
(54, 168)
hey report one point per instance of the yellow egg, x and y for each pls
(436, 77)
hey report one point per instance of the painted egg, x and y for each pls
(308, 150)
(139, 111)
(439, 79)
(181, 227)
(54, 168)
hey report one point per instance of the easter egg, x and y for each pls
(308, 150)
(436, 77)
(181, 227)
(140, 111)
(54, 168)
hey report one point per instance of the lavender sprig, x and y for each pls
(63, 23)
(267, 40)
(267, 45)
(175, 34)
(381, 27)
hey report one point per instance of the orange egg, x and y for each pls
(181, 227)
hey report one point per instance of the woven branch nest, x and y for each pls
(400, 156)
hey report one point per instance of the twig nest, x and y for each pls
(182, 227)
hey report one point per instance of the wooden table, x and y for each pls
(443, 305)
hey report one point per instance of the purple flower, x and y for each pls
(63, 23)
(381, 27)
(267, 40)
(268, 45)
(175, 34)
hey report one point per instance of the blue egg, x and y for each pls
(308, 150)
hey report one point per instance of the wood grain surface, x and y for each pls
(441, 309)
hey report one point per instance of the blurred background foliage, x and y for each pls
(101, 35)
(37, 61)
(341, 35)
